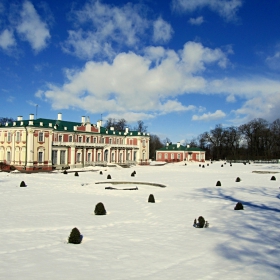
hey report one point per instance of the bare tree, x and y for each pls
(140, 127)
(155, 144)
(4, 120)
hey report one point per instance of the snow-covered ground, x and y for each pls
(137, 239)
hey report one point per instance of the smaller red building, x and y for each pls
(177, 152)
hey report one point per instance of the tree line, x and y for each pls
(255, 140)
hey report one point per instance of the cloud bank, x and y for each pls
(227, 9)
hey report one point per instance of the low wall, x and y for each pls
(132, 182)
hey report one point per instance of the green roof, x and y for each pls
(59, 125)
(174, 147)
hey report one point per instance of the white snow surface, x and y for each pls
(137, 239)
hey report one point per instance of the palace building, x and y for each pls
(177, 152)
(49, 144)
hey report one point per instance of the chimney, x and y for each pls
(111, 128)
(126, 130)
(31, 117)
(59, 117)
(98, 124)
(188, 146)
(19, 118)
(178, 144)
(83, 119)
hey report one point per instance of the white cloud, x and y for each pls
(7, 39)
(274, 61)
(231, 98)
(162, 31)
(225, 8)
(148, 85)
(262, 96)
(10, 98)
(132, 116)
(32, 28)
(107, 25)
(144, 84)
(196, 57)
(209, 116)
(196, 21)
(260, 106)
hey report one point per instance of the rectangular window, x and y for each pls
(102, 140)
(94, 140)
(40, 157)
(54, 157)
(70, 139)
(18, 136)
(172, 156)
(117, 141)
(8, 156)
(179, 156)
(89, 157)
(144, 143)
(60, 138)
(110, 141)
(41, 137)
(159, 155)
(78, 157)
(166, 156)
(62, 157)
(9, 137)
(80, 139)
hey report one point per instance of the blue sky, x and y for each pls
(181, 66)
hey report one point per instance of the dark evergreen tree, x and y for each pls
(22, 184)
(76, 173)
(273, 178)
(238, 180)
(75, 236)
(151, 198)
(201, 222)
(238, 206)
(100, 209)
(218, 184)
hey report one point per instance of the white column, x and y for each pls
(50, 148)
(72, 162)
(30, 147)
(13, 148)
